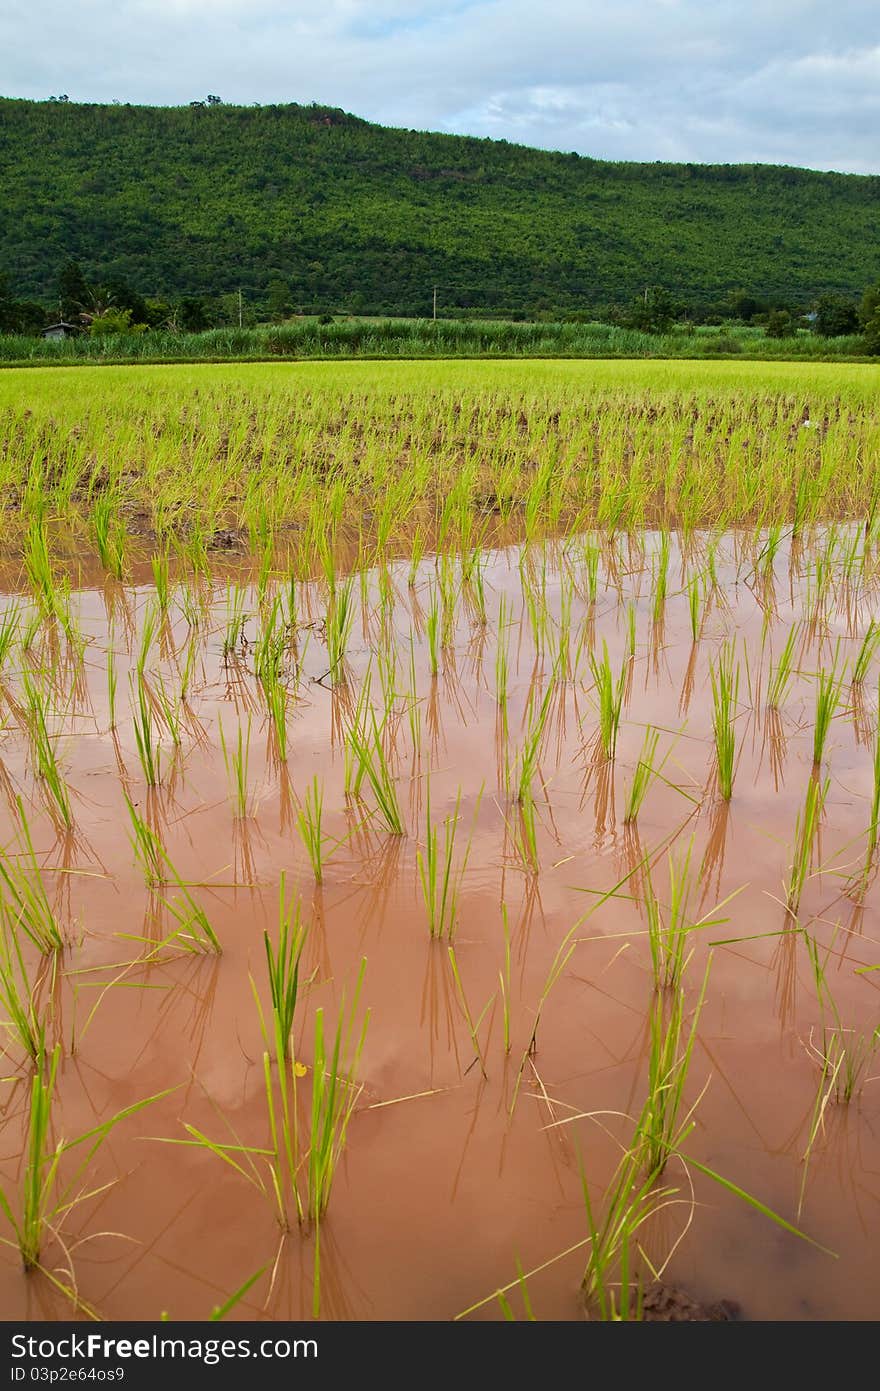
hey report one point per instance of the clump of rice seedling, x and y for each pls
(109, 534)
(159, 565)
(440, 880)
(662, 1129)
(806, 826)
(725, 689)
(20, 990)
(527, 763)
(10, 624)
(45, 1199)
(36, 709)
(643, 776)
(432, 627)
(148, 745)
(237, 760)
(147, 846)
(780, 673)
(610, 700)
(339, 620)
(827, 699)
(472, 1024)
(283, 964)
(694, 607)
(236, 618)
(866, 653)
(668, 933)
(25, 903)
(845, 1054)
(372, 762)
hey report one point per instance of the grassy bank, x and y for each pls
(417, 338)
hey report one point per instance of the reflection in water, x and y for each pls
(498, 1152)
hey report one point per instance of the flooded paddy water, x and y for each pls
(492, 1081)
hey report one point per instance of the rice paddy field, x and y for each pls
(439, 818)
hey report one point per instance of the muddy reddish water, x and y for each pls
(441, 1189)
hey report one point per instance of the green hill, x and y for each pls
(345, 214)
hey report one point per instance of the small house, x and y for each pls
(60, 330)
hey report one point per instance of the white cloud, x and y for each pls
(792, 81)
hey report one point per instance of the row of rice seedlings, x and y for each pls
(641, 472)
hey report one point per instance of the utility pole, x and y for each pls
(435, 302)
(240, 312)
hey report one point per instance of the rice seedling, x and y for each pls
(283, 963)
(111, 686)
(610, 700)
(504, 981)
(237, 760)
(236, 618)
(339, 620)
(147, 846)
(372, 763)
(844, 1054)
(38, 567)
(806, 827)
(160, 566)
(662, 1128)
(643, 775)
(827, 700)
(473, 1025)
(46, 767)
(432, 628)
(440, 879)
(24, 1020)
(10, 625)
(694, 607)
(23, 899)
(781, 671)
(109, 534)
(725, 689)
(864, 657)
(334, 1095)
(148, 745)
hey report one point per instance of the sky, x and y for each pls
(709, 81)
